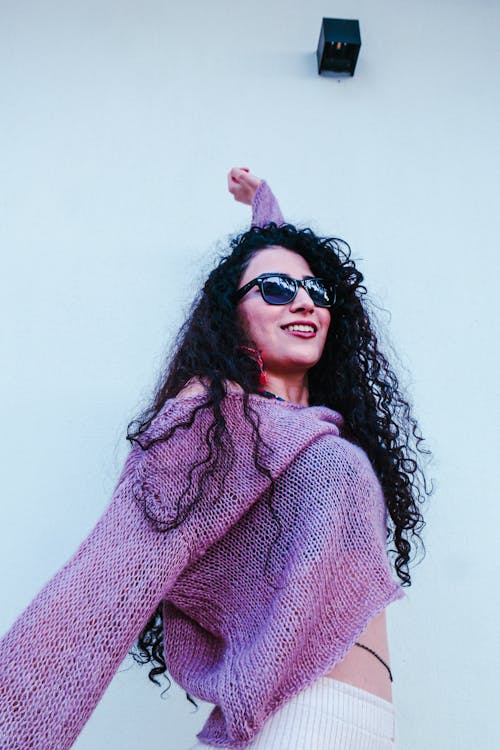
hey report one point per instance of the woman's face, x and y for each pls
(283, 351)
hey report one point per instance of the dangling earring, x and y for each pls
(262, 375)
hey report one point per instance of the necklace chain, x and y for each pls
(268, 394)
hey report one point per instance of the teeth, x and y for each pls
(297, 327)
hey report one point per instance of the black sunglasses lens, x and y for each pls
(277, 290)
(319, 292)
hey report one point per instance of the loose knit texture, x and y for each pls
(237, 636)
(265, 207)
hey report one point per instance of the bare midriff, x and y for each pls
(361, 668)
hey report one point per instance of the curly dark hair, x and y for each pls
(352, 377)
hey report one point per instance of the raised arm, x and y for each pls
(249, 189)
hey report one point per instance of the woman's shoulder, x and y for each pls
(198, 386)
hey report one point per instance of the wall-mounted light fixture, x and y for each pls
(338, 47)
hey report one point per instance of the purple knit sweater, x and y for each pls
(237, 636)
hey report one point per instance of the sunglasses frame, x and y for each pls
(258, 281)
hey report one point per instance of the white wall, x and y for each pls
(118, 123)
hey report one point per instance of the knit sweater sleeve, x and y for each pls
(265, 207)
(62, 652)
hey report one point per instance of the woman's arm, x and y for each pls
(62, 652)
(60, 655)
(249, 189)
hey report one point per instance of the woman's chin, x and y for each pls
(294, 365)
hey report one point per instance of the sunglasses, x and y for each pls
(279, 289)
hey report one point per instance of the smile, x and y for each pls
(306, 331)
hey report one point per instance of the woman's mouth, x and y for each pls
(302, 331)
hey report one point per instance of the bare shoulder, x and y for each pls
(232, 387)
(194, 387)
(198, 386)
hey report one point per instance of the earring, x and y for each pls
(262, 375)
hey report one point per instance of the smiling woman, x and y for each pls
(289, 335)
(245, 545)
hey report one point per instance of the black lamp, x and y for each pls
(338, 47)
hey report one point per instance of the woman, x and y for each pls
(249, 523)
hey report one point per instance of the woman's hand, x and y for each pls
(242, 184)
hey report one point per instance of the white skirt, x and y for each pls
(328, 715)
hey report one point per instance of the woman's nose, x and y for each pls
(302, 300)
